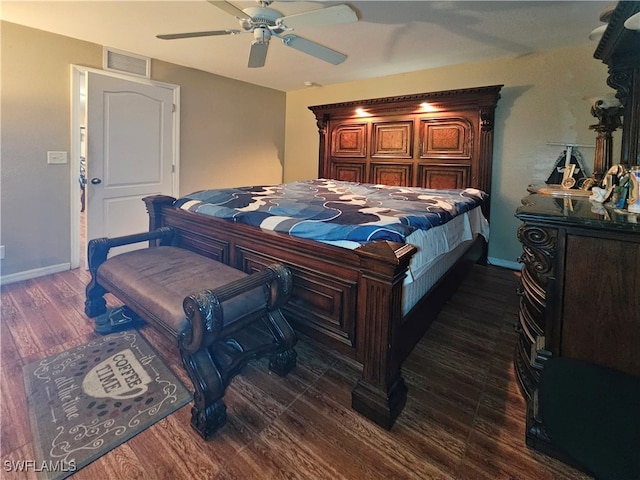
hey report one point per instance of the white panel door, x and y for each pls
(130, 152)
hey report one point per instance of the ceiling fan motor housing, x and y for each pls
(261, 17)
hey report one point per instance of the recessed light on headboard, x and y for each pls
(428, 107)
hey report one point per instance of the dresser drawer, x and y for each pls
(531, 321)
(534, 289)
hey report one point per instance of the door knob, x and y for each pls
(96, 181)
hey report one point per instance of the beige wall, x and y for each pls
(542, 101)
(224, 139)
(35, 109)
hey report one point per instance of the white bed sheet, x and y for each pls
(443, 239)
(438, 249)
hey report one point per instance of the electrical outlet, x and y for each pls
(57, 157)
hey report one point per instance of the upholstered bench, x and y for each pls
(204, 304)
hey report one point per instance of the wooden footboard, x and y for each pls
(350, 300)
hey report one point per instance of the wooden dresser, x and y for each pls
(580, 292)
(580, 289)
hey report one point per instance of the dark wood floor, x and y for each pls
(464, 417)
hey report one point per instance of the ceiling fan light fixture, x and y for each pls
(261, 36)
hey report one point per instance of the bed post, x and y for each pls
(323, 168)
(380, 393)
(154, 205)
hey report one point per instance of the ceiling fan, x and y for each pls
(265, 22)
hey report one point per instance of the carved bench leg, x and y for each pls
(209, 412)
(283, 362)
(94, 304)
(284, 359)
(206, 422)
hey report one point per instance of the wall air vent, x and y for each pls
(125, 62)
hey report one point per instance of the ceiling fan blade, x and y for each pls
(324, 16)
(258, 54)
(230, 8)
(173, 36)
(313, 49)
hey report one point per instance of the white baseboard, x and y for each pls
(499, 262)
(35, 273)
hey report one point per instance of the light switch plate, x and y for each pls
(57, 157)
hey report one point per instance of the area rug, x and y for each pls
(88, 400)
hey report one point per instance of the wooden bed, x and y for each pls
(351, 300)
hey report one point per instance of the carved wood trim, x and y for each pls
(539, 246)
(412, 145)
(349, 171)
(619, 50)
(391, 174)
(392, 139)
(485, 95)
(349, 140)
(381, 392)
(444, 176)
(445, 137)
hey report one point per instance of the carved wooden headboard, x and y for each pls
(431, 140)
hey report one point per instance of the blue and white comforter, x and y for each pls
(331, 210)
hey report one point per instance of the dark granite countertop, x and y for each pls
(577, 212)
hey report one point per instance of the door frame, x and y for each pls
(78, 73)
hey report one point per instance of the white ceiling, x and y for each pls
(390, 37)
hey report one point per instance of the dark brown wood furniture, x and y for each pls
(580, 294)
(351, 300)
(206, 305)
(431, 140)
(619, 49)
(580, 286)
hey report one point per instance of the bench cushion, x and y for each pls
(158, 279)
